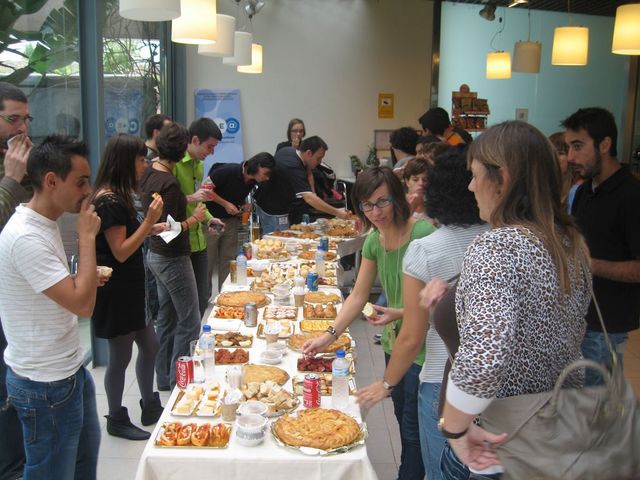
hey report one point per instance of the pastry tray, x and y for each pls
(195, 411)
(292, 328)
(161, 431)
(234, 346)
(349, 349)
(297, 382)
(319, 452)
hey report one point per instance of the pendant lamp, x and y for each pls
(256, 60)
(526, 55)
(224, 44)
(498, 65)
(150, 10)
(196, 24)
(241, 50)
(626, 32)
(570, 46)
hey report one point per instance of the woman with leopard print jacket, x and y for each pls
(523, 292)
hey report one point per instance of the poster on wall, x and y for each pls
(223, 107)
(123, 110)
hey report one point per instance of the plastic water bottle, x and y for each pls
(320, 265)
(241, 265)
(340, 381)
(207, 343)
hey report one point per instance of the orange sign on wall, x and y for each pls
(385, 105)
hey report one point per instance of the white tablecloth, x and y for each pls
(267, 460)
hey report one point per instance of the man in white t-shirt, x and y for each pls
(47, 384)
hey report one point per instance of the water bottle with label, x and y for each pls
(207, 345)
(320, 264)
(340, 382)
(241, 267)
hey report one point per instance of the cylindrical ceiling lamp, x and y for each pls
(150, 10)
(241, 50)
(526, 57)
(498, 65)
(256, 60)
(570, 46)
(626, 32)
(196, 24)
(224, 44)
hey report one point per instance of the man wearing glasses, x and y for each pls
(15, 146)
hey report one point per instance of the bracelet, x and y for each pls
(450, 435)
(387, 386)
(332, 331)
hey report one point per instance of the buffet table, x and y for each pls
(267, 460)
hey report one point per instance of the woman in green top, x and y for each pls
(380, 202)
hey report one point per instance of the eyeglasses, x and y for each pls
(12, 119)
(297, 130)
(381, 203)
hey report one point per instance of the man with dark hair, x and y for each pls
(152, 126)
(287, 195)
(233, 183)
(15, 146)
(607, 209)
(435, 121)
(403, 146)
(39, 304)
(204, 136)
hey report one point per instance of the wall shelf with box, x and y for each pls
(468, 111)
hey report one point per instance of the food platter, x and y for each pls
(217, 435)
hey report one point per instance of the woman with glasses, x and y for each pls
(380, 203)
(295, 133)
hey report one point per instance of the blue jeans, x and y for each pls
(150, 288)
(405, 408)
(11, 449)
(60, 425)
(272, 223)
(178, 319)
(431, 440)
(453, 469)
(200, 271)
(594, 347)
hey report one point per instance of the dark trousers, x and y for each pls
(12, 456)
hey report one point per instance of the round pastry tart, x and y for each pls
(317, 428)
(241, 298)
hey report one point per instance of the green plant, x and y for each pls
(356, 163)
(372, 157)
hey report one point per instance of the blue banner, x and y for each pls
(223, 107)
(123, 110)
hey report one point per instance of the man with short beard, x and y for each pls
(607, 209)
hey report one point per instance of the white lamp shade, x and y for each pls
(224, 44)
(570, 46)
(150, 10)
(626, 32)
(196, 24)
(526, 57)
(256, 60)
(241, 50)
(498, 65)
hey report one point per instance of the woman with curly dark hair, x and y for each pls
(439, 255)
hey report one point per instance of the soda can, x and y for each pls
(324, 244)
(312, 281)
(246, 248)
(305, 218)
(233, 271)
(184, 372)
(358, 225)
(250, 315)
(311, 391)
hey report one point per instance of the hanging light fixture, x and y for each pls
(150, 10)
(515, 3)
(224, 44)
(488, 12)
(526, 55)
(253, 7)
(570, 44)
(626, 32)
(256, 60)
(498, 65)
(196, 24)
(241, 50)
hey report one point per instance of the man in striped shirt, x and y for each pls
(47, 383)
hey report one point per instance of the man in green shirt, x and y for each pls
(205, 135)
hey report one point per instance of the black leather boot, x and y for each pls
(119, 425)
(152, 411)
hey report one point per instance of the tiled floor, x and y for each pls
(119, 458)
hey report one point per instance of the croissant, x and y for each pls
(184, 437)
(201, 435)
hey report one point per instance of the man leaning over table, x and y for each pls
(40, 300)
(14, 122)
(204, 135)
(288, 195)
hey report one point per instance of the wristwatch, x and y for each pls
(332, 331)
(450, 435)
(387, 386)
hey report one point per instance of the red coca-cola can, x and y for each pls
(311, 391)
(184, 372)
